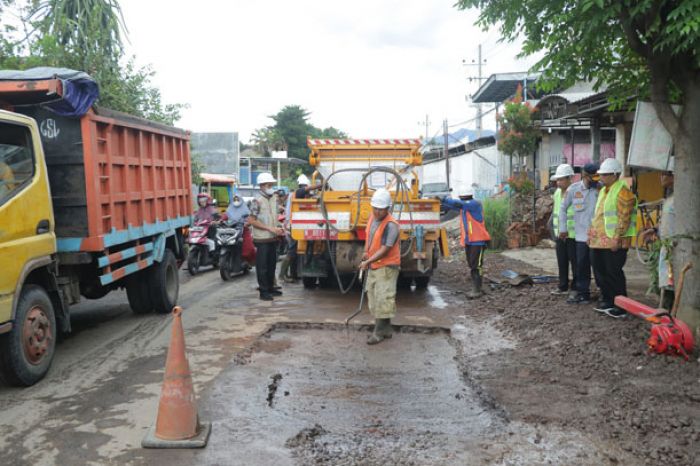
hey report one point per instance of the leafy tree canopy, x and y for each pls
(517, 136)
(85, 35)
(290, 131)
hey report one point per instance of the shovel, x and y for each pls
(362, 299)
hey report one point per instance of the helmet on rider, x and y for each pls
(303, 180)
(203, 199)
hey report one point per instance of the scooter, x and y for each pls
(231, 262)
(203, 250)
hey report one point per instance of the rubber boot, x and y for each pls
(382, 331)
(475, 292)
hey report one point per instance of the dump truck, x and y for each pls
(89, 203)
(330, 227)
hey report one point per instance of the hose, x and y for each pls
(402, 191)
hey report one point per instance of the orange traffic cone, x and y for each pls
(177, 425)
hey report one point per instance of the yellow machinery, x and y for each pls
(330, 226)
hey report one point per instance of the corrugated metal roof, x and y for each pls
(502, 86)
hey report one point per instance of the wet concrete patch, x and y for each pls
(336, 400)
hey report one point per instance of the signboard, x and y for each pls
(651, 144)
(319, 234)
(278, 154)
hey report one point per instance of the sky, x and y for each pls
(372, 68)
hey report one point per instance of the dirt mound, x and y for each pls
(574, 368)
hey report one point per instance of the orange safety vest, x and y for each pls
(477, 231)
(373, 244)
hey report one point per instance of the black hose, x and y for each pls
(402, 194)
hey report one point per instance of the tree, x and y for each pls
(85, 35)
(290, 131)
(292, 126)
(517, 136)
(647, 48)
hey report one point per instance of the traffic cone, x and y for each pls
(177, 424)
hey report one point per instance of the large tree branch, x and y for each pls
(659, 97)
(631, 33)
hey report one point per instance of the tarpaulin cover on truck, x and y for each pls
(79, 90)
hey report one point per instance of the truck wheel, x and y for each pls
(422, 282)
(404, 283)
(193, 261)
(138, 293)
(27, 351)
(164, 283)
(309, 282)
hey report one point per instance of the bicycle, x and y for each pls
(650, 213)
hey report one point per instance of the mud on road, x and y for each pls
(574, 369)
(517, 377)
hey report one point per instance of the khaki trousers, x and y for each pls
(381, 292)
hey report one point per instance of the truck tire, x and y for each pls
(164, 283)
(404, 283)
(27, 351)
(309, 282)
(138, 293)
(422, 282)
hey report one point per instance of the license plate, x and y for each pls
(312, 235)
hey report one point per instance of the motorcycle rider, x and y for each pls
(206, 211)
(237, 213)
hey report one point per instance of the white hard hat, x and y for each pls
(465, 191)
(564, 170)
(610, 166)
(381, 199)
(265, 178)
(303, 180)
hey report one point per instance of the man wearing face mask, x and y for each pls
(266, 233)
(582, 197)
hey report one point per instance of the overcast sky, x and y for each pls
(372, 68)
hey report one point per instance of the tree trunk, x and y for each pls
(687, 205)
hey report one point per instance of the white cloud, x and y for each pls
(371, 68)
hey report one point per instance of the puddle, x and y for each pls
(435, 299)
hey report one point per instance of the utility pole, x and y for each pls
(427, 126)
(446, 149)
(479, 78)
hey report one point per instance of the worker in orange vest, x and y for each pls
(474, 236)
(382, 259)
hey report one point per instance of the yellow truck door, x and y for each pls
(26, 217)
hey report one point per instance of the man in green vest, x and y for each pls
(612, 229)
(565, 243)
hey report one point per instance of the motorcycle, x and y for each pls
(231, 261)
(202, 249)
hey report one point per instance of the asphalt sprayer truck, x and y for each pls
(91, 200)
(330, 227)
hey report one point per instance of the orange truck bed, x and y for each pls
(114, 177)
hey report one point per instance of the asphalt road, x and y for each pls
(410, 400)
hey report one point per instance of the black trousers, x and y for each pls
(566, 255)
(475, 259)
(265, 264)
(608, 265)
(583, 269)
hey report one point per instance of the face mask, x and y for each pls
(202, 203)
(269, 191)
(237, 203)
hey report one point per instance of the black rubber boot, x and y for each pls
(382, 331)
(475, 292)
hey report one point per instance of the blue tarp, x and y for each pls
(79, 90)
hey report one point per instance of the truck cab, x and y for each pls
(27, 245)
